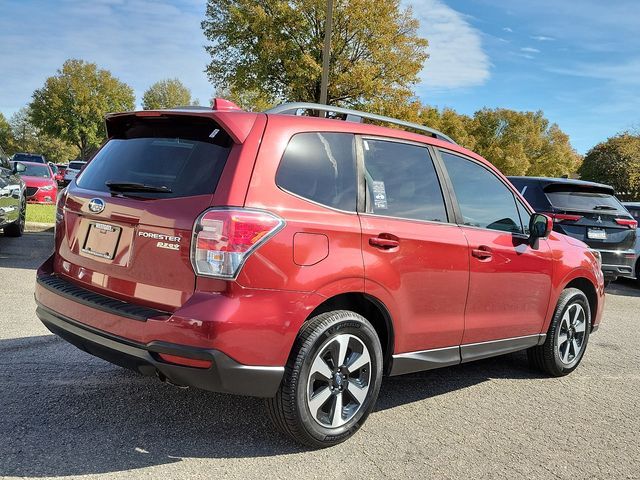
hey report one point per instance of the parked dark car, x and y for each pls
(13, 201)
(589, 212)
(634, 210)
(29, 157)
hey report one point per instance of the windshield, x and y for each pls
(36, 171)
(584, 201)
(25, 157)
(168, 157)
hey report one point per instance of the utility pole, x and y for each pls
(326, 52)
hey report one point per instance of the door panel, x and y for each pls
(508, 289)
(509, 280)
(415, 262)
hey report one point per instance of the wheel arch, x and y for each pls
(588, 288)
(372, 309)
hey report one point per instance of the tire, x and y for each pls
(16, 229)
(305, 407)
(567, 336)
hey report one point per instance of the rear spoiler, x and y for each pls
(237, 123)
(578, 187)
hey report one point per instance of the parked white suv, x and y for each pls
(72, 170)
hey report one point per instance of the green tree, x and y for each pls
(28, 138)
(273, 48)
(168, 93)
(72, 104)
(6, 135)
(522, 143)
(615, 162)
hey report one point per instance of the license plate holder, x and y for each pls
(596, 234)
(102, 240)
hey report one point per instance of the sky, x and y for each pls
(578, 61)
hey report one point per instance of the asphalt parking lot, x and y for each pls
(66, 413)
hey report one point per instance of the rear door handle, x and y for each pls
(384, 243)
(482, 253)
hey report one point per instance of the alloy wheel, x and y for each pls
(338, 381)
(571, 334)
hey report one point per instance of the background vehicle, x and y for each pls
(291, 258)
(13, 202)
(41, 184)
(589, 212)
(72, 170)
(56, 173)
(634, 210)
(28, 157)
(62, 168)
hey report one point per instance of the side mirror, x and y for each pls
(540, 226)
(19, 167)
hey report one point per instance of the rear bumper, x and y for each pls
(225, 375)
(617, 263)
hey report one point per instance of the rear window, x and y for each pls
(25, 157)
(589, 201)
(184, 155)
(76, 165)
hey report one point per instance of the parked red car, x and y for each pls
(41, 184)
(300, 258)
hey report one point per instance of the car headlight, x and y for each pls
(47, 188)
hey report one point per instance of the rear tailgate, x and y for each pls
(128, 218)
(596, 217)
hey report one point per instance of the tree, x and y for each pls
(168, 93)
(28, 138)
(6, 135)
(273, 48)
(615, 162)
(522, 143)
(71, 105)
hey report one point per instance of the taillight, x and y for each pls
(560, 217)
(223, 238)
(627, 222)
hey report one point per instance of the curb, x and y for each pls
(32, 227)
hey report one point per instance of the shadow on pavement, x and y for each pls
(28, 251)
(66, 413)
(626, 287)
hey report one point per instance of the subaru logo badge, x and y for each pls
(96, 205)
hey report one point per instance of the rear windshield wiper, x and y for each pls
(136, 187)
(604, 207)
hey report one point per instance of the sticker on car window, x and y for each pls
(379, 195)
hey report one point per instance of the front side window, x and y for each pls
(484, 200)
(320, 167)
(402, 181)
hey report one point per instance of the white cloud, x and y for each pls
(507, 29)
(542, 38)
(455, 47)
(529, 50)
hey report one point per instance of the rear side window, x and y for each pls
(581, 200)
(185, 155)
(484, 200)
(320, 167)
(402, 181)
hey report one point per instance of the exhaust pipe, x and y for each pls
(163, 378)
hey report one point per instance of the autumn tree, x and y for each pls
(72, 104)
(6, 136)
(28, 138)
(168, 93)
(273, 48)
(615, 162)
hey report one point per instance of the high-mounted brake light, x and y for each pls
(560, 217)
(224, 238)
(627, 222)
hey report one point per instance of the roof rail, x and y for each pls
(293, 108)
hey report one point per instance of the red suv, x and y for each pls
(301, 258)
